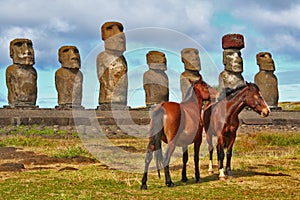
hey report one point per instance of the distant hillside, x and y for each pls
(289, 105)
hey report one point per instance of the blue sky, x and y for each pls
(168, 26)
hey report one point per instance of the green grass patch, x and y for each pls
(278, 139)
(35, 130)
(289, 105)
(259, 141)
(23, 141)
(70, 152)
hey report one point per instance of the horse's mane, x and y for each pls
(230, 93)
(190, 92)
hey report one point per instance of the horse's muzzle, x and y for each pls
(265, 112)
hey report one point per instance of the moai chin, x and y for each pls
(112, 68)
(231, 77)
(156, 82)
(266, 80)
(21, 77)
(68, 79)
(191, 60)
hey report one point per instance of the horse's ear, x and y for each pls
(200, 79)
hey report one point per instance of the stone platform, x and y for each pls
(50, 117)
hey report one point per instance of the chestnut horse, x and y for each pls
(177, 124)
(221, 119)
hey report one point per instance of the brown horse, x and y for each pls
(221, 119)
(177, 125)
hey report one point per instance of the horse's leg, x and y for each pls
(196, 160)
(229, 155)
(169, 151)
(221, 153)
(211, 150)
(149, 156)
(185, 158)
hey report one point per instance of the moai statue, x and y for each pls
(68, 79)
(190, 58)
(266, 80)
(21, 77)
(112, 68)
(156, 82)
(231, 77)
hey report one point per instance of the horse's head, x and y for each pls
(255, 101)
(204, 90)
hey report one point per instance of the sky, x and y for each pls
(168, 26)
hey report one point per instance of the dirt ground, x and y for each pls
(14, 159)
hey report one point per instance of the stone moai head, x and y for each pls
(21, 51)
(265, 62)
(156, 60)
(113, 37)
(190, 58)
(232, 59)
(69, 57)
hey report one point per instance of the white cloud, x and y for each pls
(266, 17)
(58, 25)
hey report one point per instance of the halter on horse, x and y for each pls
(177, 125)
(221, 119)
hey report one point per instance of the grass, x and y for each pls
(289, 105)
(278, 139)
(265, 166)
(35, 130)
(70, 152)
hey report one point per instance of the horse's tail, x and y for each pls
(156, 133)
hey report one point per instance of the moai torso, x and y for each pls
(231, 77)
(190, 58)
(21, 77)
(266, 80)
(68, 79)
(112, 67)
(156, 82)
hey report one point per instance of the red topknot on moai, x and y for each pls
(231, 77)
(233, 41)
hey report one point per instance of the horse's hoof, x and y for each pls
(229, 173)
(184, 180)
(199, 181)
(230, 176)
(144, 187)
(170, 185)
(210, 172)
(222, 178)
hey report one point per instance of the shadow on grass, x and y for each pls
(243, 173)
(236, 174)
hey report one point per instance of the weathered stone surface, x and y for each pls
(68, 79)
(232, 60)
(231, 80)
(51, 117)
(156, 82)
(21, 77)
(266, 80)
(265, 61)
(232, 77)
(233, 41)
(191, 59)
(112, 66)
(156, 60)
